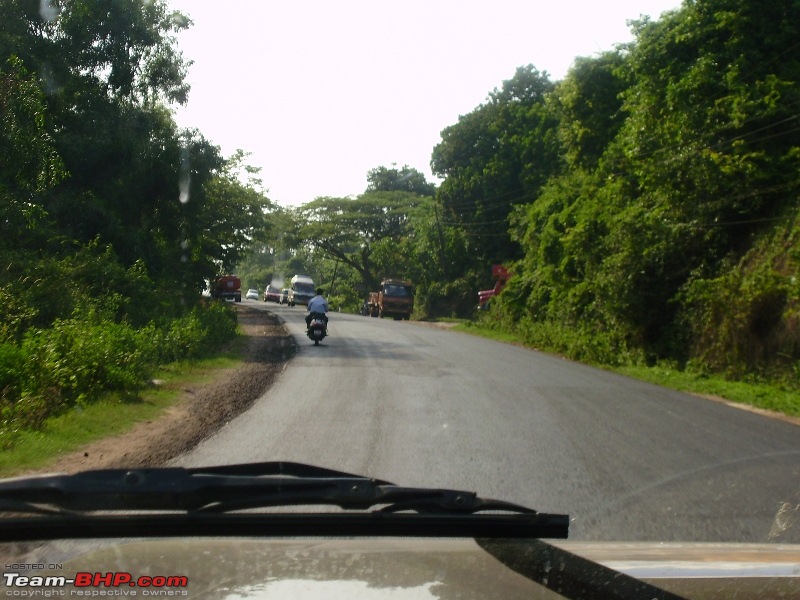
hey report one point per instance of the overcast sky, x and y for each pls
(322, 91)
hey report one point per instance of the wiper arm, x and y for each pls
(203, 492)
(235, 487)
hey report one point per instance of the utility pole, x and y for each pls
(333, 283)
(441, 240)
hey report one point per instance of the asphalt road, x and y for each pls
(419, 405)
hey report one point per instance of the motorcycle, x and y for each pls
(317, 328)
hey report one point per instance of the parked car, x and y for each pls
(251, 294)
(272, 294)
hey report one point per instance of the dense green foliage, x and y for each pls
(669, 233)
(75, 360)
(497, 157)
(111, 219)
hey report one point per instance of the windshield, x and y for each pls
(397, 291)
(593, 205)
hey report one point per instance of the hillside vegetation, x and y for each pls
(668, 228)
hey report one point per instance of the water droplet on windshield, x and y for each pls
(47, 11)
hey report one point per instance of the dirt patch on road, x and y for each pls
(202, 408)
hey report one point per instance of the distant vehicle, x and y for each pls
(284, 296)
(227, 287)
(501, 276)
(301, 290)
(272, 294)
(251, 294)
(394, 299)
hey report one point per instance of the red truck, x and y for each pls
(501, 275)
(227, 287)
(394, 299)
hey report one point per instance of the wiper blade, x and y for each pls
(199, 493)
(236, 487)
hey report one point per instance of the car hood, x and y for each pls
(421, 568)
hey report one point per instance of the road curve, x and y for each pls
(423, 406)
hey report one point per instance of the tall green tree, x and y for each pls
(231, 218)
(406, 179)
(708, 149)
(352, 230)
(106, 73)
(496, 157)
(125, 49)
(588, 107)
(30, 164)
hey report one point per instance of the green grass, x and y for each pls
(765, 395)
(492, 334)
(449, 320)
(768, 396)
(112, 415)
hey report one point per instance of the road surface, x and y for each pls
(419, 405)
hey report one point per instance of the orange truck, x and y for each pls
(394, 299)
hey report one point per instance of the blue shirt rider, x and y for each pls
(317, 306)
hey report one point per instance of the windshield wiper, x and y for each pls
(203, 501)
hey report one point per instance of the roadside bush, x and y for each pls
(81, 359)
(577, 342)
(183, 338)
(12, 363)
(346, 303)
(220, 323)
(16, 315)
(78, 360)
(201, 332)
(746, 321)
(71, 363)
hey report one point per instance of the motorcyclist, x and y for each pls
(317, 306)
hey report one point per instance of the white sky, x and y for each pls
(320, 92)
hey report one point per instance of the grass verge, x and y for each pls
(114, 414)
(763, 395)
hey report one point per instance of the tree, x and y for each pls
(588, 106)
(106, 71)
(382, 179)
(496, 157)
(708, 156)
(104, 68)
(125, 48)
(350, 229)
(36, 166)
